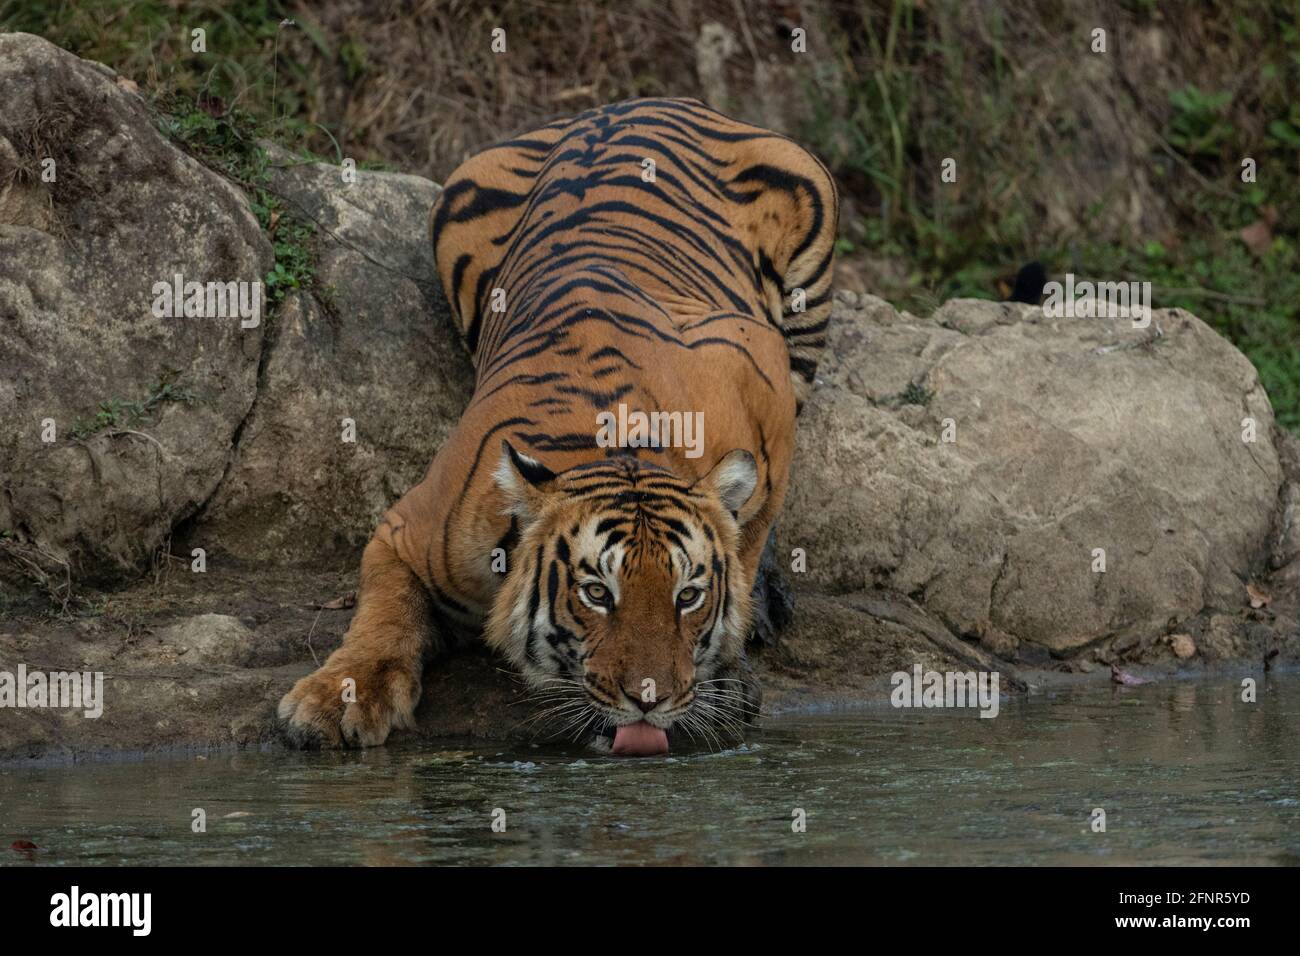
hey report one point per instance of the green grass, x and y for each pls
(150, 40)
(899, 97)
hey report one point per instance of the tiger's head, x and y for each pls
(627, 605)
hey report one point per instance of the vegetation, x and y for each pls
(230, 140)
(926, 86)
(1118, 164)
(118, 413)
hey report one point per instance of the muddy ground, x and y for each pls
(197, 662)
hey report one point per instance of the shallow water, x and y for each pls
(1185, 772)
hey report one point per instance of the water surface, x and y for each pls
(1185, 771)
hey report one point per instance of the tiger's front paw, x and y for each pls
(351, 702)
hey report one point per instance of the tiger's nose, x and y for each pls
(645, 705)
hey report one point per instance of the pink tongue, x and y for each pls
(640, 740)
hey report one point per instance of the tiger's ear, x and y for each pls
(733, 479)
(524, 481)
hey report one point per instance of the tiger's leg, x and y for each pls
(739, 676)
(773, 597)
(372, 683)
(758, 544)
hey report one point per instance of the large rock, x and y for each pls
(227, 438)
(79, 256)
(1068, 436)
(371, 342)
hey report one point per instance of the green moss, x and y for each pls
(914, 394)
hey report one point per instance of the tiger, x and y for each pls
(651, 255)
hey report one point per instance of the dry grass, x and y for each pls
(1048, 135)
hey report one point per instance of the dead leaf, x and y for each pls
(23, 846)
(1183, 645)
(1257, 597)
(340, 603)
(1124, 677)
(1258, 236)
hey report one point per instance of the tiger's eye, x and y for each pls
(596, 593)
(687, 596)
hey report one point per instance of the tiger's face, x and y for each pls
(628, 606)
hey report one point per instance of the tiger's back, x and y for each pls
(707, 219)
